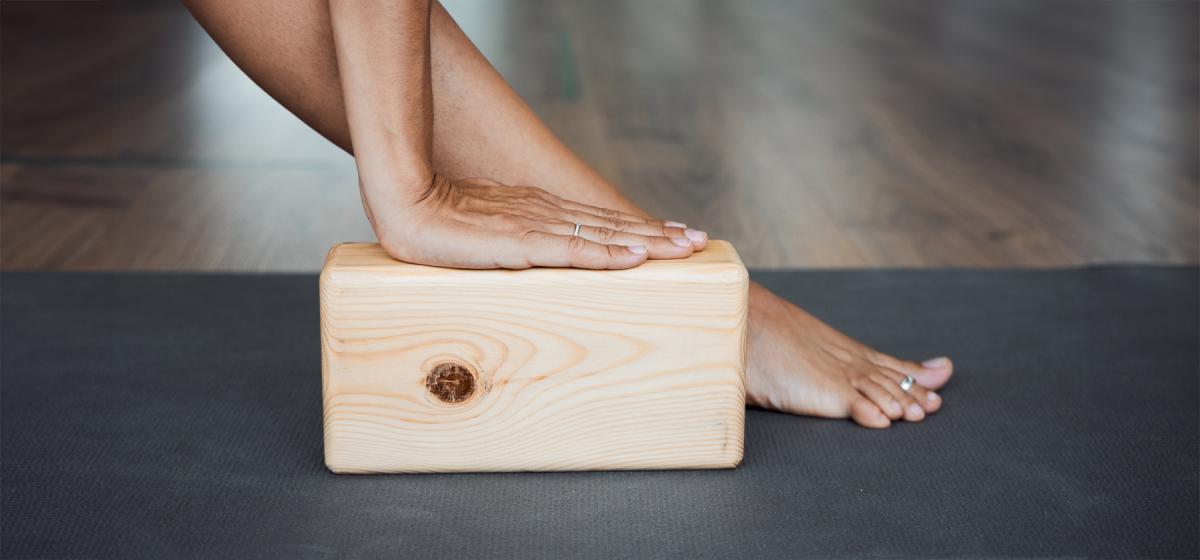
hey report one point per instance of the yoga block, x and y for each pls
(428, 369)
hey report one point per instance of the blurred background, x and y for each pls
(811, 133)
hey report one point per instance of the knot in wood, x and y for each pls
(451, 382)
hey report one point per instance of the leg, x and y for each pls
(286, 47)
(482, 128)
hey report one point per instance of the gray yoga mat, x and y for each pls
(179, 415)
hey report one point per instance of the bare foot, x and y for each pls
(800, 365)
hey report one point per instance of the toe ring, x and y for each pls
(907, 383)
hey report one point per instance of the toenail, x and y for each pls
(934, 363)
(932, 397)
(695, 235)
(915, 410)
(895, 407)
(675, 224)
(681, 242)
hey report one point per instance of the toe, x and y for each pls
(913, 412)
(932, 373)
(883, 399)
(868, 415)
(926, 399)
(929, 400)
(890, 381)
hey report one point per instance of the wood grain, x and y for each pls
(540, 369)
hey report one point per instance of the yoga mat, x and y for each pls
(179, 415)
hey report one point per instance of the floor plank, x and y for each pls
(189, 219)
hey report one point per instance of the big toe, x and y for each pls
(868, 415)
(932, 374)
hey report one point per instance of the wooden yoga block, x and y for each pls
(429, 369)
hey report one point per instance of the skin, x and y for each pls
(456, 170)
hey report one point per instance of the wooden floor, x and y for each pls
(810, 133)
